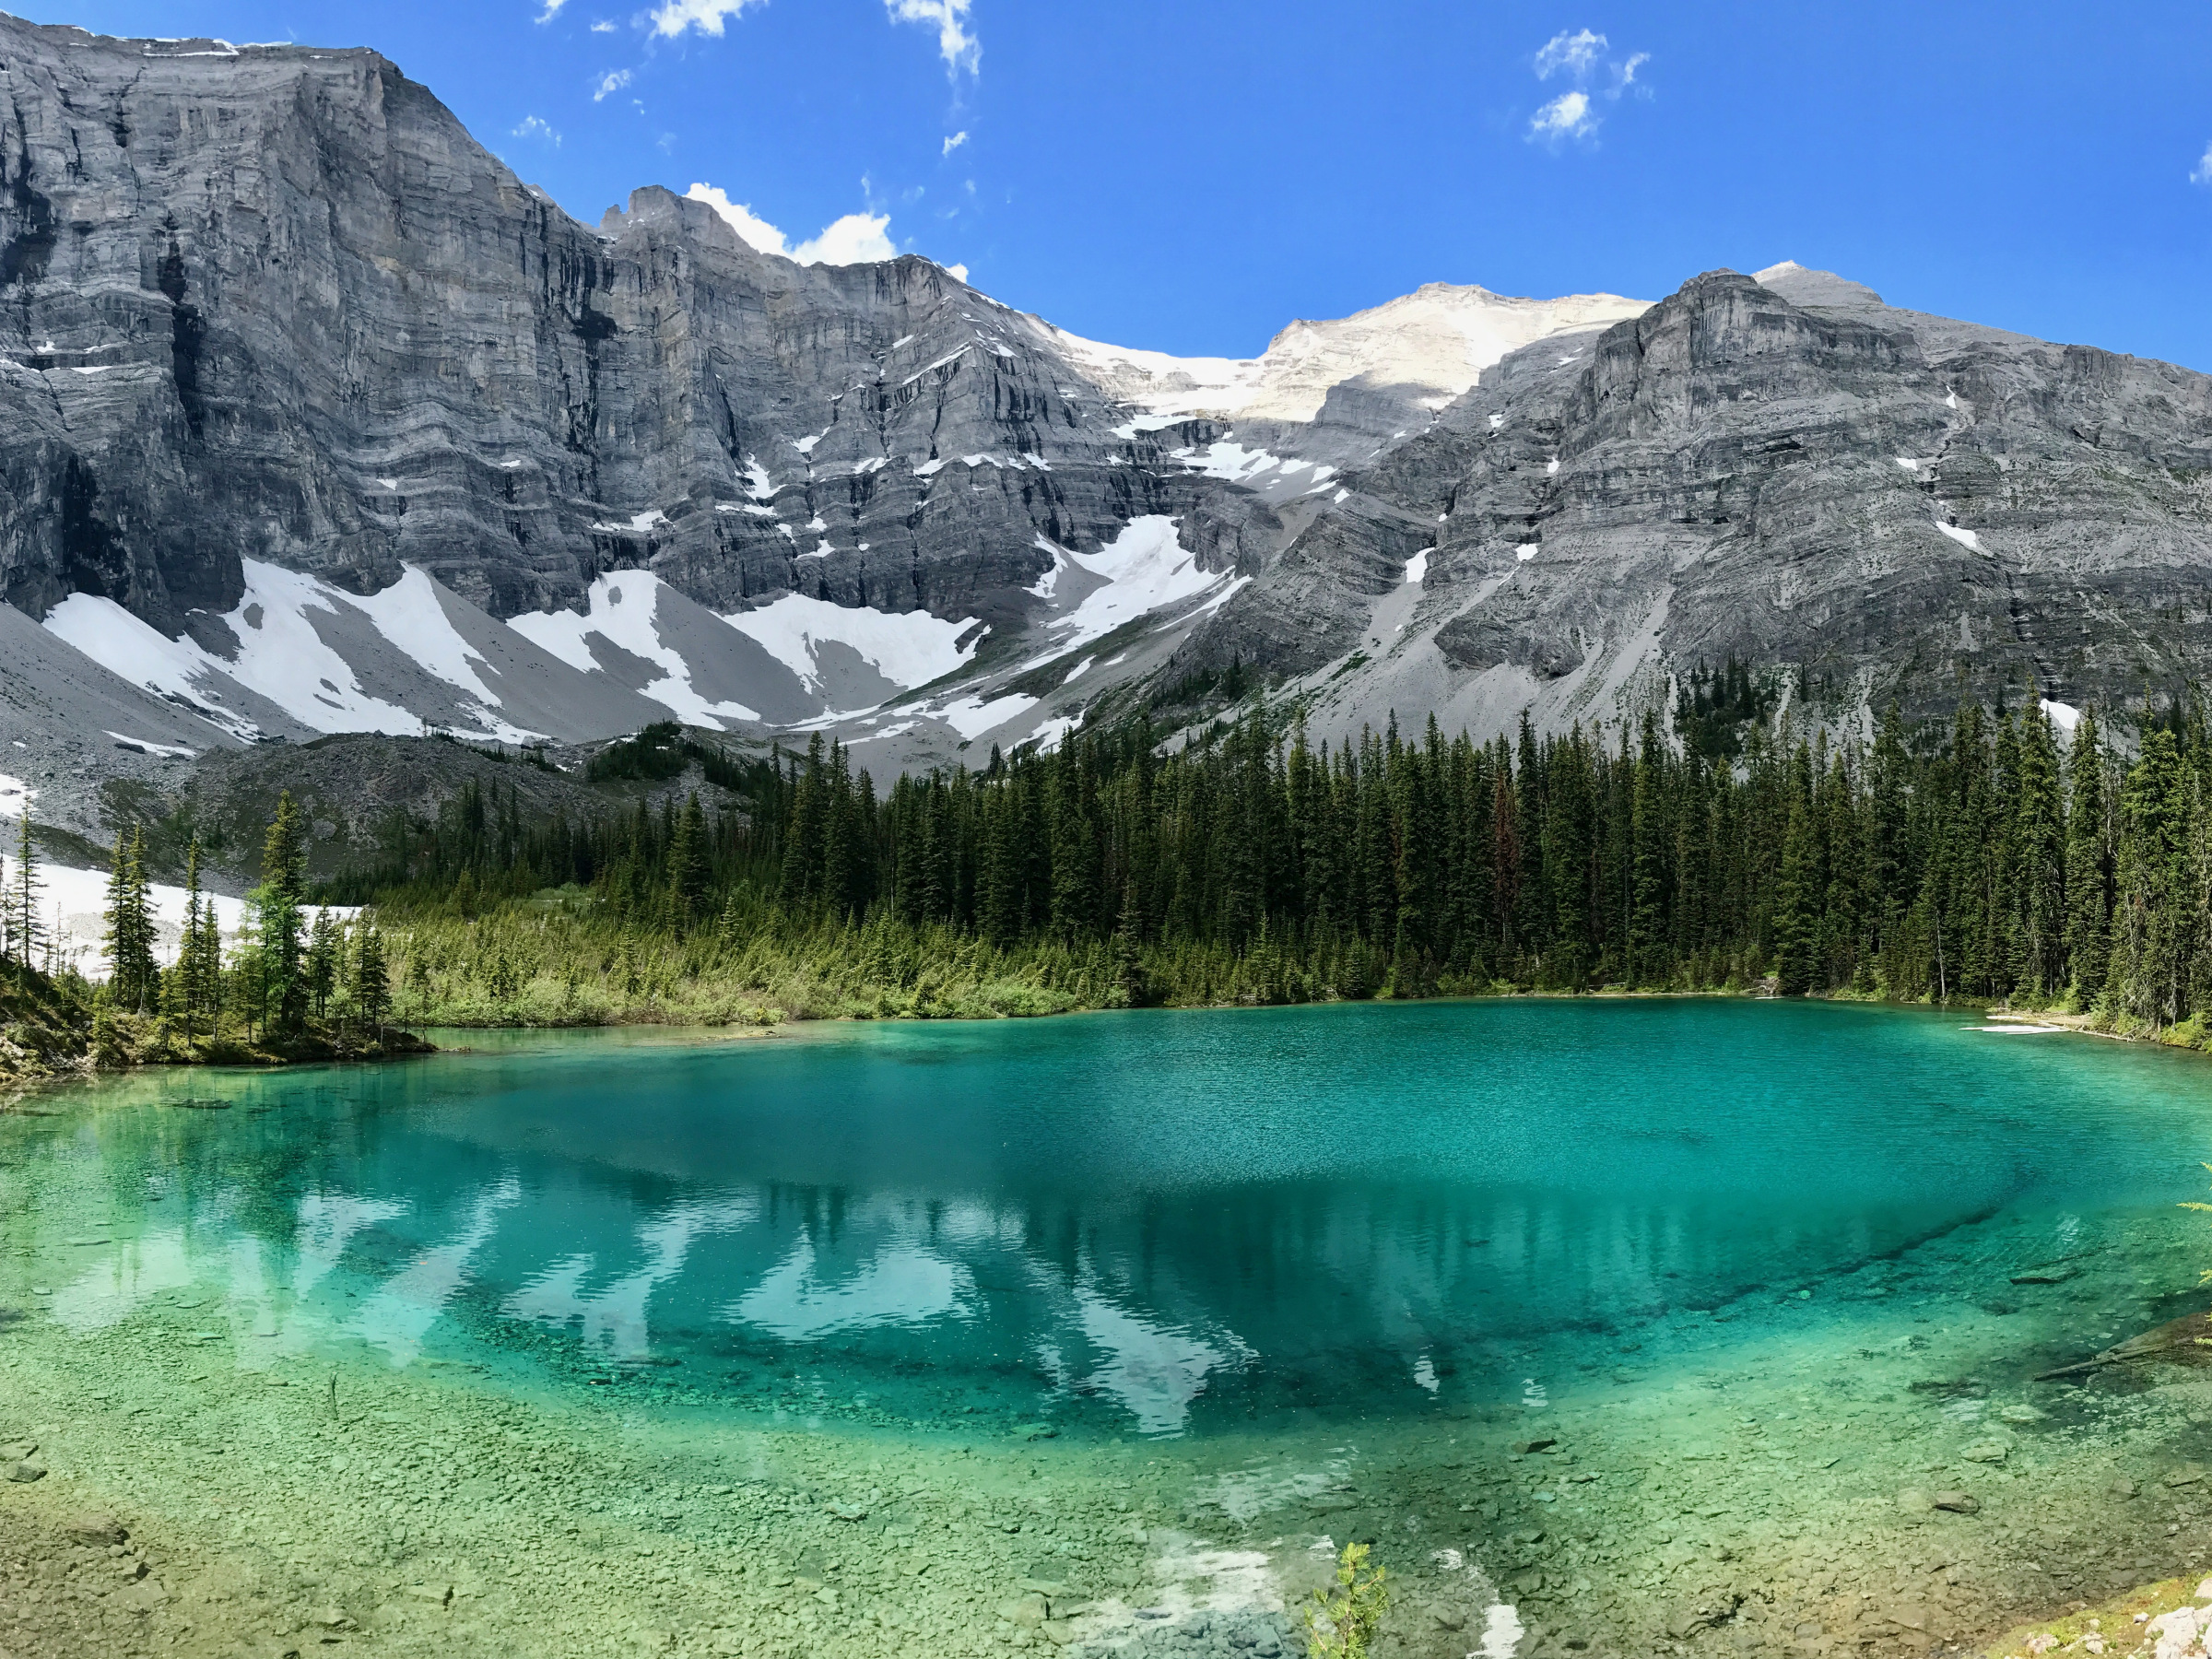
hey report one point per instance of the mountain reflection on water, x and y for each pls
(1144, 1223)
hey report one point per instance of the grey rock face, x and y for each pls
(1789, 472)
(276, 304)
(273, 308)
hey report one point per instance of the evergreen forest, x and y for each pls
(1991, 858)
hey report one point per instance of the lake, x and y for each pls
(1613, 1324)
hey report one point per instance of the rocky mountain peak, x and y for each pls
(317, 419)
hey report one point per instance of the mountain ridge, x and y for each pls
(276, 322)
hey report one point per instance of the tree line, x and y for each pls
(1992, 856)
(286, 983)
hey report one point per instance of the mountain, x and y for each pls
(1778, 468)
(314, 418)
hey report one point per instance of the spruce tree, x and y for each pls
(690, 872)
(1796, 899)
(23, 900)
(276, 903)
(2040, 859)
(371, 990)
(325, 946)
(133, 977)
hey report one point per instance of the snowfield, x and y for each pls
(621, 613)
(284, 657)
(1145, 569)
(908, 649)
(72, 906)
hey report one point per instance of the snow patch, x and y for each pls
(16, 795)
(1047, 736)
(2064, 716)
(622, 607)
(758, 484)
(144, 746)
(972, 716)
(1045, 584)
(909, 648)
(282, 657)
(1145, 569)
(1417, 568)
(1965, 539)
(1234, 462)
(73, 903)
(639, 524)
(407, 614)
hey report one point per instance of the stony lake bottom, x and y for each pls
(1620, 1327)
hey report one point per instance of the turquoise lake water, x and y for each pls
(1150, 1224)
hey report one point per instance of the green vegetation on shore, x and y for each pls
(1978, 862)
(288, 988)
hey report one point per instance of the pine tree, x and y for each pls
(325, 946)
(134, 977)
(276, 923)
(371, 990)
(23, 900)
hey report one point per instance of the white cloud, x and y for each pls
(2203, 175)
(603, 27)
(536, 127)
(856, 239)
(959, 49)
(958, 272)
(1578, 56)
(1565, 116)
(552, 11)
(1573, 52)
(673, 17)
(753, 230)
(613, 81)
(955, 142)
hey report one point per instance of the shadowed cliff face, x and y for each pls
(276, 304)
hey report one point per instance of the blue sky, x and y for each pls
(1191, 176)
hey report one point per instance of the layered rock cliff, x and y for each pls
(314, 418)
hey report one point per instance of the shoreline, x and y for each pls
(1827, 1461)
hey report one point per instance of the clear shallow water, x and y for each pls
(1155, 1224)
